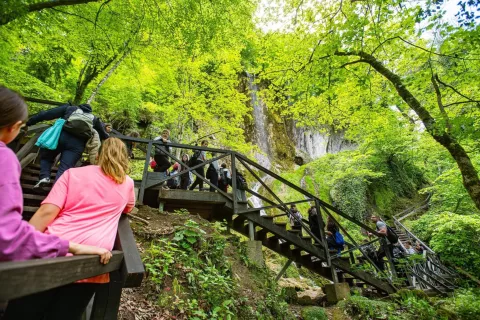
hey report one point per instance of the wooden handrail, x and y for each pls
(22, 278)
(132, 269)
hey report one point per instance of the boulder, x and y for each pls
(310, 297)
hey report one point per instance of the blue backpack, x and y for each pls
(49, 138)
(339, 241)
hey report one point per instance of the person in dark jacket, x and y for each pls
(70, 144)
(161, 158)
(314, 222)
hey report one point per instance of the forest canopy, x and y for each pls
(401, 78)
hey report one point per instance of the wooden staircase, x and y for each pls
(302, 250)
(32, 198)
(430, 275)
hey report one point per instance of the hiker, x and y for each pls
(295, 217)
(242, 185)
(199, 156)
(335, 240)
(76, 131)
(130, 144)
(213, 173)
(419, 248)
(225, 178)
(161, 158)
(313, 222)
(92, 147)
(85, 205)
(185, 178)
(390, 237)
(108, 127)
(409, 248)
(174, 183)
(18, 239)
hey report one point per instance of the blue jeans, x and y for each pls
(70, 148)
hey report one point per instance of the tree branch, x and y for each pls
(38, 7)
(440, 103)
(453, 88)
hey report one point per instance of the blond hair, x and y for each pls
(113, 159)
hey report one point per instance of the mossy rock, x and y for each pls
(314, 313)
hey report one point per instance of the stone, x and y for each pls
(337, 291)
(297, 284)
(310, 297)
(255, 253)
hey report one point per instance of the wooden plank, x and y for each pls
(28, 147)
(21, 278)
(132, 269)
(29, 158)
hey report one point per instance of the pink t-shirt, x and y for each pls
(91, 204)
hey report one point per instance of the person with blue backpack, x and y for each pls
(76, 131)
(335, 240)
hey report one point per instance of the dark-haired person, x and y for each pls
(108, 127)
(185, 179)
(76, 131)
(161, 158)
(225, 178)
(202, 157)
(18, 239)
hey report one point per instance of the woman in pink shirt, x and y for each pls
(84, 206)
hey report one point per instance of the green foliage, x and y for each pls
(454, 237)
(406, 305)
(200, 261)
(314, 313)
(466, 304)
(362, 308)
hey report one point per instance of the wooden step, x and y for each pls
(30, 209)
(261, 235)
(297, 232)
(36, 172)
(37, 166)
(28, 188)
(307, 239)
(33, 197)
(281, 224)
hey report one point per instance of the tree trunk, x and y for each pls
(470, 178)
(109, 73)
(20, 12)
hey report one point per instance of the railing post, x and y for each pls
(234, 184)
(141, 192)
(389, 256)
(107, 299)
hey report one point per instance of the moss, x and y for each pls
(314, 313)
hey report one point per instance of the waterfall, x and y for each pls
(260, 123)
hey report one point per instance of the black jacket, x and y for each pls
(64, 112)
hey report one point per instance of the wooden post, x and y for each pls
(141, 193)
(107, 299)
(284, 269)
(251, 231)
(234, 184)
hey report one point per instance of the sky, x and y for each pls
(269, 14)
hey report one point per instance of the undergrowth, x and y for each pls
(191, 274)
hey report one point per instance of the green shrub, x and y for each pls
(362, 308)
(466, 304)
(314, 313)
(455, 238)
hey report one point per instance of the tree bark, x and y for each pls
(38, 7)
(109, 73)
(471, 182)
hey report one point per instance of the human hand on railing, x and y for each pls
(78, 249)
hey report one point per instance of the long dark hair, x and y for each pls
(12, 107)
